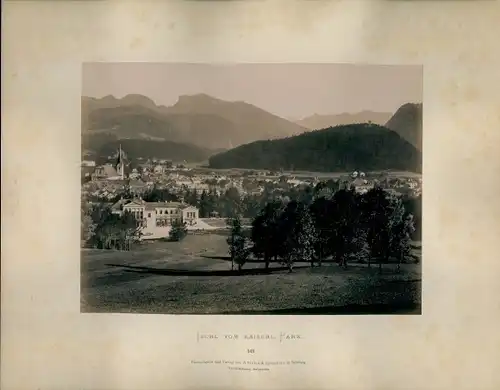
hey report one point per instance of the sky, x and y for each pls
(291, 91)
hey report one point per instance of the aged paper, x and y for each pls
(48, 344)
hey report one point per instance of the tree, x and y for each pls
(318, 188)
(191, 197)
(237, 243)
(251, 206)
(307, 237)
(333, 185)
(205, 205)
(306, 195)
(232, 202)
(388, 225)
(114, 231)
(323, 190)
(129, 229)
(159, 195)
(343, 225)
(413, 205)
(297, 227)
(88, 226)
(400, 246)
(103, 220)
(320, 211)
(213, 201)
(265, 233)
(375, 207)
(178, 230)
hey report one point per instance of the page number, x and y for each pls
(251, 350)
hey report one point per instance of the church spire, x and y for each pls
(119, 163)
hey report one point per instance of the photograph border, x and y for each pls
(454, 344)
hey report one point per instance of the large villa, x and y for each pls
(156, 218)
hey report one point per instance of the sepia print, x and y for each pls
(251, 188)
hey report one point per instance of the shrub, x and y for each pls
(178, 231)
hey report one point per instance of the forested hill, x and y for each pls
(367, 147)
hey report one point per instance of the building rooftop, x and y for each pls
(149, 205)
(108, 170)
(136, 183)
(118, 205)
(155, 205)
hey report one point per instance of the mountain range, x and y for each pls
(200, 120)
(317, 121)
(406, 121)
(199, 126)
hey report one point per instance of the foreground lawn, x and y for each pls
(195, 277)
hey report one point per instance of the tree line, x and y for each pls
(230, 203)
(102, 229)
(374, 226)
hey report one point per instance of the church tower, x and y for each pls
(120, 164)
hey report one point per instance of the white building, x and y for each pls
(156, 218)
(158, 169)
(362, 186)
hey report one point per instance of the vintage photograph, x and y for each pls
(251, 188)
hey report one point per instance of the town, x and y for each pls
(136, 185)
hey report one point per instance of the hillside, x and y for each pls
(251, 123)
(316, 121)
(174, 151)
(195, 119)
(407, 122)
(137, 122)
(368, 147)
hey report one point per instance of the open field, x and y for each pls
(305, 174)
(194, 277)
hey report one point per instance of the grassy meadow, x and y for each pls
(194, 277)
